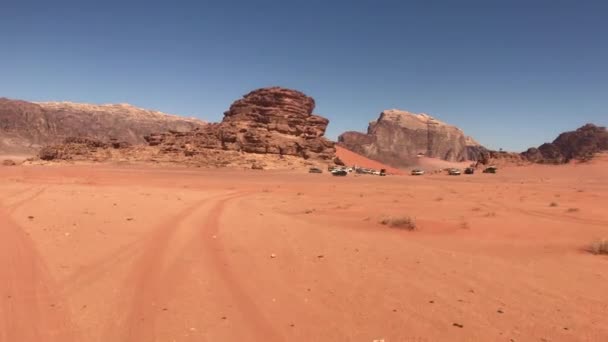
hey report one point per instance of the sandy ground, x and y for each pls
(425, 163)
(100, 253)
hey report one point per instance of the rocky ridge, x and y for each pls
(581, 144)
(266, 125)
(27, 126)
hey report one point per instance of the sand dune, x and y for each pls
(104, 253)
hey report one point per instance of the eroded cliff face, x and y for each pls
(266, 126)
(398, 137)
(27, 126)
(580, 144)
(266, 121)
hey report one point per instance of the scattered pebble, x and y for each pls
(500, 311)
(273, 255)
(129, 219)
(431, 301)
(458, 325)
(321, 256)
(224, 317)
(30, 217)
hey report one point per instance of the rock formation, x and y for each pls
(398, 137)
(274, 122)
(266, 121)
(580, 144)
(26, 126)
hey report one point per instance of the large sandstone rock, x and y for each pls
(26, 126)
(580, 144)
(398, 137)
(266, 121)
(267, 127)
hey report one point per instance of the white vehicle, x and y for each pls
(454, 172)
(417, 172)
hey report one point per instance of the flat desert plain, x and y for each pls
(132, 254)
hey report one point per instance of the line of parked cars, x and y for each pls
(457, 172)
(343, 171)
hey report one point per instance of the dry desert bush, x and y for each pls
(599, 247)
(401, 222)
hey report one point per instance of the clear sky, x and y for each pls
(512, 74)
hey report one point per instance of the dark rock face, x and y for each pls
(265, 121)
(78, 148)
(26, 126)
(581, 144)
(398, 137)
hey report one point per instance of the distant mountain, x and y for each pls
(397, 137)
(26, 126)
(580, 144)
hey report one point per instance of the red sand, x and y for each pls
(351, 158)
(100, 253)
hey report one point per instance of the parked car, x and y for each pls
(469, 171)
(315, 170)
(417, 172)
(339, 172)
(454, 172)
(490, 169)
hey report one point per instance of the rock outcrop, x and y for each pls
(266, 121)
(398, 137)
(273, 122)
(26, 126)
(580, 144)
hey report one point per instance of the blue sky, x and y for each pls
(512, 74)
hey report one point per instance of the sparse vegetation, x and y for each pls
(599, 247)
(553, 204)
(401, 222)
(573, 210)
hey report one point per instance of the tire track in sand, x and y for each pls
(30, 307)
(260, 329)
(145, 281)
(156, 273)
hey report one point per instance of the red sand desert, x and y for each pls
(119, 253)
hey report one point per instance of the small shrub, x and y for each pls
(553, 204)
(599, 247)
(403, 222)
(573, 210)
